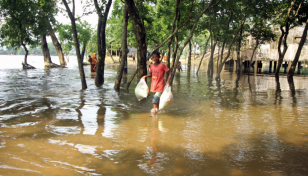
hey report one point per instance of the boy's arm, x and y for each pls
(170, 73)
(145, 76)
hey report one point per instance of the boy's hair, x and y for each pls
(156, 52)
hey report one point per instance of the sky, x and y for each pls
(91, 19)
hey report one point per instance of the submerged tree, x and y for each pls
(84, 36)
(140, 35)
(57, 44)
(124, 51)
(286, 18)
(19, 28)
(260, 31)
(71, 15)
(102, 12)
(46, 13)
(302, 18)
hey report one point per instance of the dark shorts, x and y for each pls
(133, 58)
(156, 97)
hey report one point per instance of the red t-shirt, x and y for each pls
(158, 73)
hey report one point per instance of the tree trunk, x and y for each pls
(189, 58)
(173, 27)
(222, 51)
(217, 62)
(211, 61)
(45, 50)
(168, 53)
(160, 45)
(281, 54)
(195, 48)
(26, 55)
(111, 55)
(238, 53)
(283, 38)
(188, 39)
(298, 53)
(101, 42)
(83, 50)
(175, 50)
(205, 48)
(229, 49)
(76, 42)
(140, 38)
(124, 49)
(253, 52)
(57, 45)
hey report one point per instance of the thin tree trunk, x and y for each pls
(57, 45)
(281, 54)
(283, 38)
(168, 53)
(189, 58)
(140, 38)
(167, 39)
(101, 42)
(229, 49)
(111, 55)
(195, 46)
(175, 50)
(222, 50)
(76, 42)
(253, 52)
(298, 53)
(217, 62)
(205, 48)
(26, 55)
(25, 65)
(188, 39)
(173, 27)
(238, 53)
(211, 61)
(45, 51)
(124, 49)
(83, 50)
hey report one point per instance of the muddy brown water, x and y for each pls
(49, 126)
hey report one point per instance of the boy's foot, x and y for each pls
(154, 111)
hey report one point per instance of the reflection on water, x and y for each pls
(242, 125)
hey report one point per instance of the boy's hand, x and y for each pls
(143, 77)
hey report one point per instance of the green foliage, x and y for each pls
(25, 21)
(260, 30)
(84, 31)
(92, 44)
(157, 17)
(20, 25)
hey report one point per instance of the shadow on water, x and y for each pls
(263, 154)
(236, 159)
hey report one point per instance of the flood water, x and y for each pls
(49, 126)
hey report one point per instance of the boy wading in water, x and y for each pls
(157, 72)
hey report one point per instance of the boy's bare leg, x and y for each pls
(155, 105)
(155, 108)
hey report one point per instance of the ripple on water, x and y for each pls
(249, 127)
